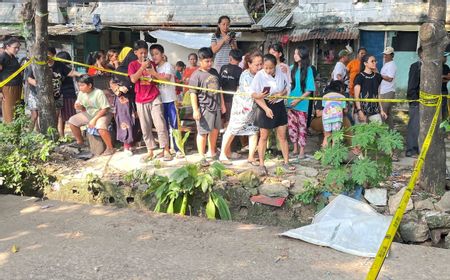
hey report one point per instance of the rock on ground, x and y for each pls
(436, 235)
(307, 171)
(436, 220)
(444, 204)
(394, 202)
(376, 196)
(273, 190)
(299, 182)
(447, 242)
(414, 228)
(426, 204)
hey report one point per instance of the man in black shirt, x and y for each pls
(229, 81)
(412, 134)
(445, 79)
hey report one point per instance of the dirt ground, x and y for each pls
(60, 240)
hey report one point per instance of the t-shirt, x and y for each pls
(333, 110)
(93, 101)
(339, 69)
(68, 87)
(60, 72)
(146, 91)
(445, 71)
(370, 84)
(353, 68)
(303, 105)
(229, 79)
(187, 75)
(276, 84)
(389, 69)
(221, 57)
(168, 93)
(207, 100)
(9, 65)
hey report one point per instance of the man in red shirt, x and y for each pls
(148, 102)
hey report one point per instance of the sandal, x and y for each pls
(263, 170)
(288, 167)
(167, 157)
(226, 162)
(203, 162)
(253, 163)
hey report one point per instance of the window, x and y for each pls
(405, 41)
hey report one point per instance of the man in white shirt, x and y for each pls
(387, 86)
(340, 69)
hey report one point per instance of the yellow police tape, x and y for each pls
(395, 223)
(13, 75)
(233, 92)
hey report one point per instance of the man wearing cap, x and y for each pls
(340, 70)
(387, 86)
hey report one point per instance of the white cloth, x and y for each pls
(389, 69)
(168, 93)
(276, 84)
(339, 69)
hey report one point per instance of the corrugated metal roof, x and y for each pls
(279, 16)
(165, 12)
(53, 30)
(299, 35)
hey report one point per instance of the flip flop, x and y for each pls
(226, 162)
(288, 167)
(253, 163)
(263, 170)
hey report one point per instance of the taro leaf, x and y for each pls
(184, 204)
(204, 181)
(365, 171)
(337, 177)
(210, 209)
(192, 170)
(222, 206)
(179, 175)
(180, 140)
(216, 170)
(170, 208)
(177, 204)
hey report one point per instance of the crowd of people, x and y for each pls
(259, 82)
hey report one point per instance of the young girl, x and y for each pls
(271, 113)
(367, 84)
(112, 61)
(302, 86)
(277, 51)
(97, 59)
(179, 70)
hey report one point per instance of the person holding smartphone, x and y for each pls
(222, 42)
(268, 84)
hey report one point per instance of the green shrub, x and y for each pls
(22, 153)
(175, 193)
(376, 144)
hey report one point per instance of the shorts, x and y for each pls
(280, 117)
(329, 127)
(83, 118)
(209, 121)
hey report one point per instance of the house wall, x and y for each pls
(318, 12)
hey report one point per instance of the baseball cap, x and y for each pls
(388, 50)
(343, 53)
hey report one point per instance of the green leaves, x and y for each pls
(173, 192)
(334, 155)
(365, 171)
(180, 140)
(337, 177)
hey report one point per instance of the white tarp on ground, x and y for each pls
(347, 225)
(187, 40)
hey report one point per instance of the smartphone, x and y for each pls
(266, 90)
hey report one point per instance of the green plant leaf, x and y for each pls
(389, 140)
(210, 209)
(365, 171)
(216, 170)
(170, 208)
(334, 155)
(184, 204)
(337, 136)
(222, 206)
(179, 175)
(204, 181)
(337, 178)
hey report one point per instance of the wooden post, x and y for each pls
(434, 40)
(42, 73)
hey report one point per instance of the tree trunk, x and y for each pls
(434, 40)
(42, 73)
(28, 29)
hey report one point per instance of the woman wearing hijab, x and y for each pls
(128, 129)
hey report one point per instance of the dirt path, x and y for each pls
(75, 241)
